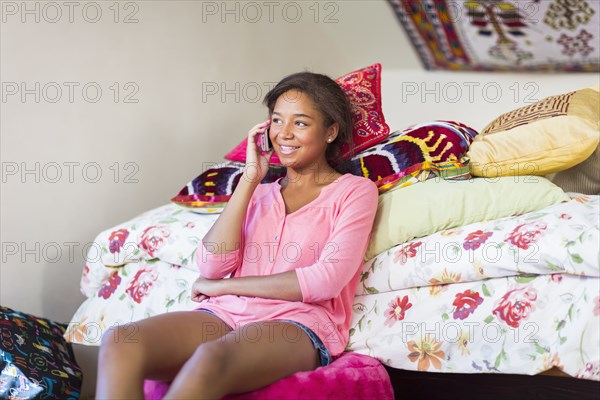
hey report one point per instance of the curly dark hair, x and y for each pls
(328, 98)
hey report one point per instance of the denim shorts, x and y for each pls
(324, 354)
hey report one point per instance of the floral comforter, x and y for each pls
(514, 295)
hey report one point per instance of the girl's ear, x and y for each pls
(333, 130)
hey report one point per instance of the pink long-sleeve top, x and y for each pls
(324, 242)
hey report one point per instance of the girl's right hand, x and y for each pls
(257, 165)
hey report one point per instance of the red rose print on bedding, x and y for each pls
(516, 305)
(107, 290)
(407, 251)
(153, 238)
(475, 239)
(466, 303)
(526, 234)
(141, 284)
(396, 310)
(117, 239)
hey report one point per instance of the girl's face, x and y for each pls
(297, 131)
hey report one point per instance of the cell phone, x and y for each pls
(265, 141)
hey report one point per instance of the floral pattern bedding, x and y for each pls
(168, 233)
(562, 238)
(514, 295)
(520, 325)
(130, 293)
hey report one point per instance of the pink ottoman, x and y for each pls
(350, 376)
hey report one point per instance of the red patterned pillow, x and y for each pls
(363, 88)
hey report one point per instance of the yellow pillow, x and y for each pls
(549, 136)
(437, 204)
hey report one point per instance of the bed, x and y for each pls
(556, 327)
(499, 306)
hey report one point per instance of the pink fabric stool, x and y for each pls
(350, 376)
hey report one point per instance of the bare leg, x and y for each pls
(153, 348)
(245, 359)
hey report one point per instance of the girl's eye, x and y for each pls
(300, 122)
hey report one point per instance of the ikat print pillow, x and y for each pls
(363, 88)
(210, 191)
(420, 151)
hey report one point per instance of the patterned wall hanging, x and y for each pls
(498, 35)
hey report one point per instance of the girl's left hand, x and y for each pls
(204, 288)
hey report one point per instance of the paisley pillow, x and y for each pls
(210, 191)
(363, 88)
(415, 154)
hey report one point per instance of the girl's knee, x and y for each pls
(116, 339)
(211, 357)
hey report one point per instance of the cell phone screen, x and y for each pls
(265, 142)
(269, 139)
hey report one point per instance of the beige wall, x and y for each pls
(169, 57)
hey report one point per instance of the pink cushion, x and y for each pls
(350, 376)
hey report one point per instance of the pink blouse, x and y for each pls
(324, 242)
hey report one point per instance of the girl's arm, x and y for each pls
(324, 279)
(219, 252)
(225, 234)
(283, 286)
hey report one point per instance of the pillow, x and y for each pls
(562, 238)
(166, 233)
(363, 88)
(434, 147)
(349, 376)
(582, 178)
(549, 136)
(35, 359)
(210, 191)
(129, 294)
(434, 205)
(516, 35)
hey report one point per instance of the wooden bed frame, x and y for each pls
(551, 384)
